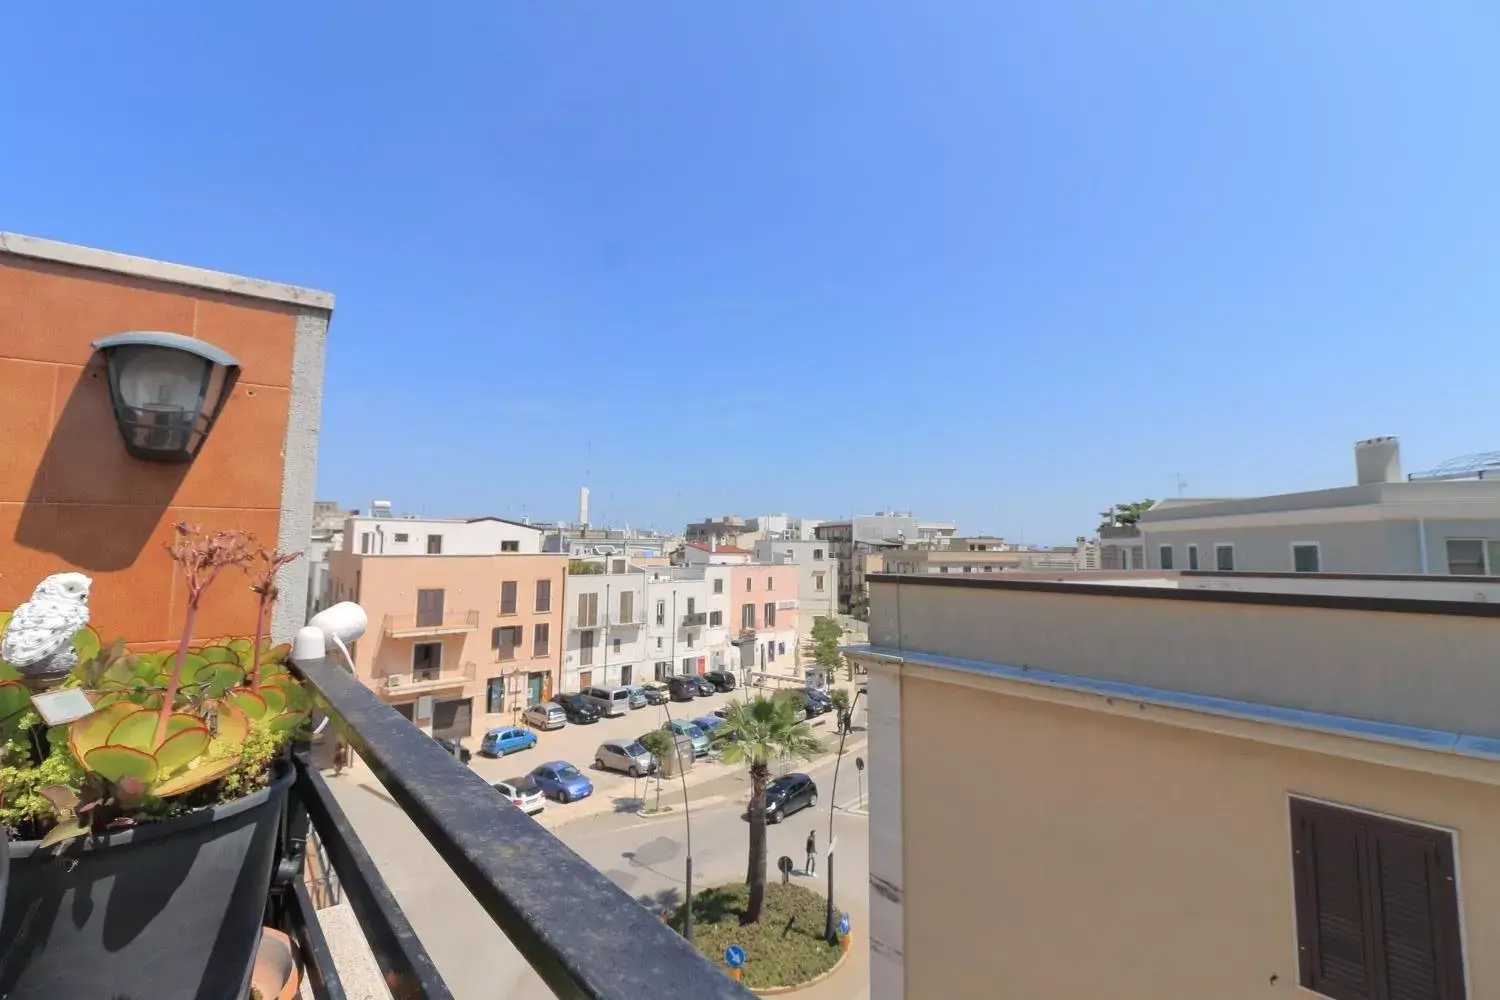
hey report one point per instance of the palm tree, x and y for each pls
(758, 732)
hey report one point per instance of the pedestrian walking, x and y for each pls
(812, 852)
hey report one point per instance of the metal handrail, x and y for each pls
(445, 620)
(582, 934)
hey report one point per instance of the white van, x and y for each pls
(609, 700)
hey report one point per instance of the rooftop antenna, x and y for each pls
(1181, 483)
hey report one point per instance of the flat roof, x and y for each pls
(36, 248)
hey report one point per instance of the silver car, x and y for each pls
(545, 715)
(625, 756)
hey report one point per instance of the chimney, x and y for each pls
(1377, 460)
(583, 506)
(713, 543)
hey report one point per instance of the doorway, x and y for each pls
(429, 608)
(407, 710)
(625, 673)
(585, 678)
(534, 694)
(426, 660)
(452, 719)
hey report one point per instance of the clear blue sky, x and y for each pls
(999, 263)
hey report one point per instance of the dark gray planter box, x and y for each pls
(169, 909)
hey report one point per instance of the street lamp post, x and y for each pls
(829, 928)
(687, 813)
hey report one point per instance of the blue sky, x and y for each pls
(997, 263)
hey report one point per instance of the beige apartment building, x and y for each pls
(456, 643)
(1152, 786)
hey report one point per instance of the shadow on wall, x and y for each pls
(84, 473)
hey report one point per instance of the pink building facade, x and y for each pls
(763, 617)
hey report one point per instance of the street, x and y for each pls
(644, 856)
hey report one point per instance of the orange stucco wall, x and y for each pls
(70, 496)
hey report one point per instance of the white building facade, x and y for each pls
(605, 633)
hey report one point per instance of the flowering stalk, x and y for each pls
(202, 558)
(267, 590)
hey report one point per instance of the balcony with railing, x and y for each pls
(430, 623)
(635, 619)
(582, 935)
(432, 679)
(695, 620)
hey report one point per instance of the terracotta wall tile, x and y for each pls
(49, 312)
(21, 568)
(26, 402)
(260, 335)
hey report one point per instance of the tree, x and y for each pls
(1125, 515)
(757, 732)
(583, 567)
(826, 634)
(841, 704)
(660, 744)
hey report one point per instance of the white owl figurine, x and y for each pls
(38, 640)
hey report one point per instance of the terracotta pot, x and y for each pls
(275, 975)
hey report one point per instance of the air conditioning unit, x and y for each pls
(397, 680)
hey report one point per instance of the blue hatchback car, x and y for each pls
(562, 781)
(507, 739)
(708, 723)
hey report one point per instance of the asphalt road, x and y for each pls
(644, 856)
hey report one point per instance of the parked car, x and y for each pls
(683, 687)
(816, 703)
(637, 695)
(562, 781)
(705, 686)
(787, 794)
(455, 748)
(609, 700)
(525, 794)
(507, 739)
(722, 680)
(708, 723)
(722, 712)
(626, 756)
(581, 710)
(545, 715)
(681, 727)
(655, 694)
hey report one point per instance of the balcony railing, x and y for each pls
(401, 626)
(695, 620)
(632, 620)
(429, 680)
(582, 934)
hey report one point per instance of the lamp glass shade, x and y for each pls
(166, 397)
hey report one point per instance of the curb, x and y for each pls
(775, 991)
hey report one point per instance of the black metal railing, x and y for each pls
(582, 934)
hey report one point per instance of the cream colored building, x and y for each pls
(1151, 787)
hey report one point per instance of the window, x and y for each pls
(429, 608)
(942, 569)
(617, 644)
(1305, 557)
(718, 585)
(505, 640)
(749, 584)
(510, 546)
(1164, 555)
(494, 695)
(781, 648)
(817, 555)
(770, 583)
(366, 539)
(658, 642)
(586, 647)
(619, 566)
(661, 612)
(508, 597)
(1192, 557)
(1376, 906)
(434, 545)
(1474, 556)
(541, 639)
(715, 619)
(690, 640)
(692, 603)
(401, 536)
(770, 614)
(1224, 557)
(968, 569)
(627, 606)
(543, 596)
(817, 581)
(770, 652)
(687, 664)
(663, 669)
(747, 616)
(588, 610)
(426, 661)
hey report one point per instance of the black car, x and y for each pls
(580, 710)
(787, 794)
(705, 686)
(722, 680)
(455, 748)
(683, 687)
(655, 694)
(816, 703)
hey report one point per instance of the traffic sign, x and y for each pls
(859, 763)
(734, 955)
(844, 923)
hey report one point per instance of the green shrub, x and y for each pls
(784, 948)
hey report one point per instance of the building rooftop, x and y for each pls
(733, 550)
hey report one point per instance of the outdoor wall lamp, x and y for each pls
(167, 391)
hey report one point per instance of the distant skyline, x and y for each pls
(1002, 265)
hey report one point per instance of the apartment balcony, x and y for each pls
(633, 620)
(583, 935)
(743, 636)
(422, 681)
(422, 624)
(696, 620)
